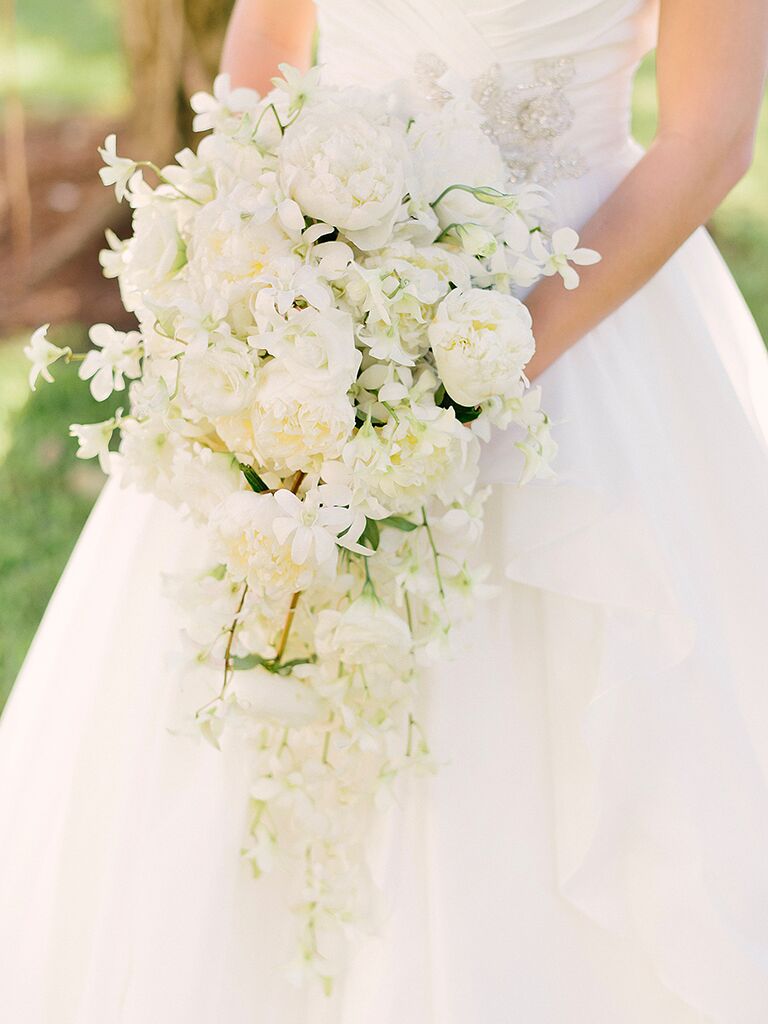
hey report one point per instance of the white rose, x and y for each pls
(154, 253)
(218, 381)
(292, 424)
(481, 341)
(317, 348)
(450, 148)
(345, 170)
(202, 479)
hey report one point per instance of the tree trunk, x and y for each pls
(173, 49)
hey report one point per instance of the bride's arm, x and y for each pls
(711, 63)
(263, 34)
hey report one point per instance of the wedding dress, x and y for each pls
(594, 848)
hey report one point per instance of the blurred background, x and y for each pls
(70, 73)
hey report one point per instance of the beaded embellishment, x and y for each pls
(525, 120)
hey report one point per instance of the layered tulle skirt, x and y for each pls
(594, 848)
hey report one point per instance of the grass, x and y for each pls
(45, 494)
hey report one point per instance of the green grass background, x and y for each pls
(45, 493)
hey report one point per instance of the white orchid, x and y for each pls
(297, 86)
(42, 354)
(562, 251)
(313, 522)
(226, 103)
(116, 355)
(118, 170)
(93, 440)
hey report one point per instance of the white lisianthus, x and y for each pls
(475, 239)
(220, 380)
(346, 171)
(265, 696)
(481, 341)
(292, 424)
(42, 354)
(116, 355)
(562, 251)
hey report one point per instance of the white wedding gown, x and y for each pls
(595, 848)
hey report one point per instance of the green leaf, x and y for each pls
(252, 477)
(464, 414)
(400, 523)
(370, 534)
(249, 661)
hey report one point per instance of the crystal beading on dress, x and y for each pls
(527, 120)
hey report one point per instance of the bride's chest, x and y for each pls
(519, 28)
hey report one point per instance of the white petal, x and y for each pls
(302, 544)
(564, 240)
(585, 257)
(289, 503)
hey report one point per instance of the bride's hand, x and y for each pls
(263, 34)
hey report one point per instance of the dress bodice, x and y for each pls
(556, 74)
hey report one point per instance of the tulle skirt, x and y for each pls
(594, 848)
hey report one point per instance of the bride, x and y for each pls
(595, 846)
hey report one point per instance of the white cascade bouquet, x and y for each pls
(327, 332)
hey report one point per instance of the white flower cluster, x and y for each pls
(327, 331)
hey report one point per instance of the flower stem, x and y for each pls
(230, 640)
(435, 554)
(287, 627)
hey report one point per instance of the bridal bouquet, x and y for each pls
(327, 333)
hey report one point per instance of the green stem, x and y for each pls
(452, 188)
(435, 554)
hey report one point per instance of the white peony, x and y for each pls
(345, 170)
(422, 453)
(481, 341)
(292, 424)
(245, 540)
